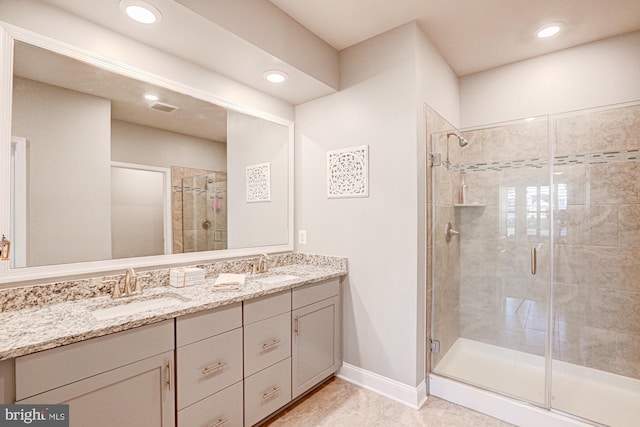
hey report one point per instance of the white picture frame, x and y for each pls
(258, 183)
(348, 172)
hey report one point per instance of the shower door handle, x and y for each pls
(534, 260)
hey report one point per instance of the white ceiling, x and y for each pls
(193, 117)
(472, 35)
(185, 34)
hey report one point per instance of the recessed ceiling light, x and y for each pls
(275, 76)
(140, 11)
(548, 30)
(529, 119)
(151, 97)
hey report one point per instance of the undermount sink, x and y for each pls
(276, 278)
(127, 306)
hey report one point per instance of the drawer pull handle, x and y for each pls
(271, 393)
(271, 343)
(296, 328)
(221, 421)
(212, 369)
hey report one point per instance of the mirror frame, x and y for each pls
(17, 277)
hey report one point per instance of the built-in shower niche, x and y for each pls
(199, 210)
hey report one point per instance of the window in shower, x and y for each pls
(511, 212)
(562, 204)
(538, 212)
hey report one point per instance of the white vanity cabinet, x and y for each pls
(123, 379)
(316, 342)
(267, 355)
(209, 368)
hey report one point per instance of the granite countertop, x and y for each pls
(35, 329)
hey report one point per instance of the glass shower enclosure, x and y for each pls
(536, 261)
(204, 212)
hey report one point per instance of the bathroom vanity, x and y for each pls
(231, 359)
(172, 356)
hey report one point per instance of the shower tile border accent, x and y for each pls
(606, 157)
(348, 172)
(12, 299)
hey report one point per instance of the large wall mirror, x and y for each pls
(107, 167)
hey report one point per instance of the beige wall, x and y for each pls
(599, 73)
(137, 212)
(68, 137)
(133, 143)
(254, 141)
(380, 105)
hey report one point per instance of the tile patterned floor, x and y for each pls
(338, 403)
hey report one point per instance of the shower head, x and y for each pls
(461, 139)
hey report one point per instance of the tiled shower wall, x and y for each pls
(597, 260)
(204, 212)
(501, 302)
(597, 238)
(443, 293)
(177, 204)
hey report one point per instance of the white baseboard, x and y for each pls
(497, 406)
(414, 397)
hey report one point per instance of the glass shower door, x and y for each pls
(491, 269)
(596, 370)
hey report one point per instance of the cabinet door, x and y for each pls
(139, 394)
(316, 344)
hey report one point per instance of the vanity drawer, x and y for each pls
(223, 409)
(267, 391)
(268, 306)
(309, 294)
(266, 342)
(198, 326)
(46, 370)
(208, 366)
